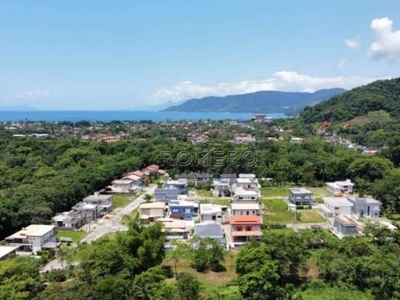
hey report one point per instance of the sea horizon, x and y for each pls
(122, 115)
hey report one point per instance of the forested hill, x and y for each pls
(381, 95)
(258, 102)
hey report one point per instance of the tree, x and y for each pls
(179, 251)
(147, 198)
(188, 287)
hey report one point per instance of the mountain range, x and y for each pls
(258, 102)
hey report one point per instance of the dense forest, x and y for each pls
(42, 176)
(379, 95)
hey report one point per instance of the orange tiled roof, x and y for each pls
(243, 220)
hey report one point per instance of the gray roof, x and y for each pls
(213, 230)
(169, 192)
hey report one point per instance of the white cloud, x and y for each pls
(33, 94)
(387, 41)
(352, 43)
(341, 63)
(281, 81)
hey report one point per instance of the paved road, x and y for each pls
(112, 224)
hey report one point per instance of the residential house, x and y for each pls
(245, 195)
(210, 212)
(68, 219)
(245, 228)
(231, 178)
(34, 238)
(245, 209)
(151, 169)
(103, 202)
(221, 187)
(259, 118)
(195, 178)
(7, 252)
(153, 211)
(246, 182)
(166, 195)
(301, 197)
(181, 185)
(365, 207)
(337, 188)
(89, 212)
(203, 177)
(174, 230)
(344, 226)
(122, 186)
(181, 210)
(338, 205)
(210, 230)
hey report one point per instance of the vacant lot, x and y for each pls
(310, 216)
(120, 201)
(276, 211)
(76, 236)
(213, 283)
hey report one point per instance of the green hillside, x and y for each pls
(381, 95)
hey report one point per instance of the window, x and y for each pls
(336, 208)
(248, 228)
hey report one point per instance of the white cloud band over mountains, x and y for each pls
(280, 81)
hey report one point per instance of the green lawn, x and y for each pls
(76, 236)
(275, 192)
(202, 193)
(334, 293)
(121, 200)
(127, 218)
(319, 192)
(276, 211)
(310, 216)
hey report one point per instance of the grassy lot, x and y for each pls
(213, 283)
(275, 192)
(319, 192)
(310, 216)
(76, 236)
(276, 211)
(202, 193)
(121, 200)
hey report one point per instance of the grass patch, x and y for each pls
(120, 200)
(332, 293)
(275, 192)
(310, 216)
(276, 211)
(76, 236)
(213, 284)
(203, 193)
(319, 192)
(223, 202)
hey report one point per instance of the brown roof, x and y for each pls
(243, 220)
(153, 167)
(345, 221)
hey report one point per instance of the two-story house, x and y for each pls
(244, 228)
(338, 188)
(210, 212)
(181, 185)
(221, 187)
(231, 178)
(166, 195)
(103, 202)
(338, 205)
(34, 238)
(365, 207)
(301, 197)
(68, 219)
(174, 230)
(245, 195)
(245, 209)
(181, 210)
(152, 211)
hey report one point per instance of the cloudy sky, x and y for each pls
(107, 54)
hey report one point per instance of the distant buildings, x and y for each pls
(301, 197)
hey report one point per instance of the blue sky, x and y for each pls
(107, 54)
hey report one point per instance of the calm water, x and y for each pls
(107, 116)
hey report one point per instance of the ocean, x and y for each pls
(108, 116)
